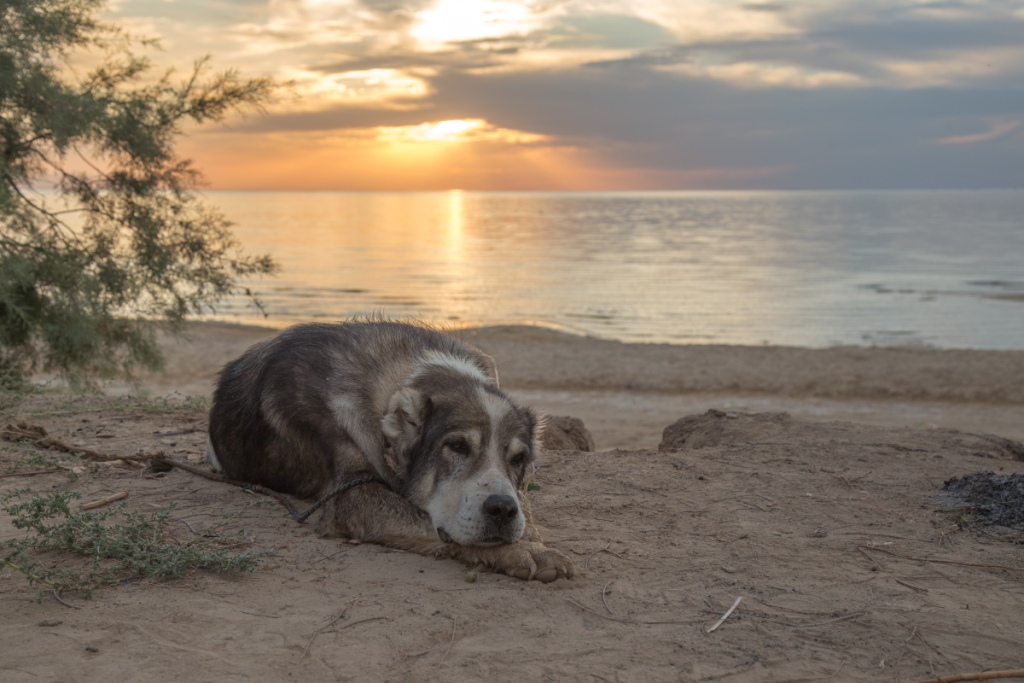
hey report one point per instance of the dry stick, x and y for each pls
(317, 632)
(450, 643)
(837, 670)
(632, 622)
(26, 431)
(813, 624)
(63, 601)
(874, 565)
(603, 592)
(911, 586)
(586, 565)
(29, 474)
(726, 615)
(113, 498)
(954, 562)
(598, 614)
(161, 459)
(983, 676)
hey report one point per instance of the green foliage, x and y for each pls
(119, 246)
(117, 544)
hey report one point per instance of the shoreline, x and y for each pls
(534, 357)
(628, 393)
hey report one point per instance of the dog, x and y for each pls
(451, 454)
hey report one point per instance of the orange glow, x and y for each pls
(467, 154)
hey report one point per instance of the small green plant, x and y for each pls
(117, 544)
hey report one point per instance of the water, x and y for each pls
(811, 269)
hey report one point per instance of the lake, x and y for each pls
(924, 268)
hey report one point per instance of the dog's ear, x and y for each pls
(538, 423)
(403, 422)
(491, 369)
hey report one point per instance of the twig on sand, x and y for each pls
(833, 675)
(451, 641)
(604, 591)
(910, 585)
(160, 459)
(874, 565)
(632, 622)
(953, 562)
(726, 615)
(598, 614)
(30, 473)
(62, 601)
(113, 498)
(33, 433)
(813, 624)
(982, 676)
(335, 621)
(586, 565)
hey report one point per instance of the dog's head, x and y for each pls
(465, 451)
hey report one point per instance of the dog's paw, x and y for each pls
(536, 561)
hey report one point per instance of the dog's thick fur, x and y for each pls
(319, 405)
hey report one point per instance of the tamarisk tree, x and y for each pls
(103, 239)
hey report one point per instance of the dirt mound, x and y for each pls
(564, 433)
(998, 498)
(716, 427)
(719, 428)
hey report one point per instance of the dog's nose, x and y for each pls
(501, 508)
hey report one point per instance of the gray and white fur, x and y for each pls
(318, 405)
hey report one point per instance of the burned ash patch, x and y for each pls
(997, 499)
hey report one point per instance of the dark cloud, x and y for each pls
(392, 6)
(634, 113)
(832, 40)
(612, 31)
(764, 7)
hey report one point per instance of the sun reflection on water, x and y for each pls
(736, 268)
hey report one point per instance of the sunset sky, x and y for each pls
(608, 94)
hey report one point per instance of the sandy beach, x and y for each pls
(827, 522)
(628, 393)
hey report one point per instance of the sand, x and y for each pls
(826, 521)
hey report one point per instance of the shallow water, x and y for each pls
(934, 268)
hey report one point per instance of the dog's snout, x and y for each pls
(501, 508)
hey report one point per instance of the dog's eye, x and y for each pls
(458, 446)
(518, 459)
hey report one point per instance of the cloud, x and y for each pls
(836, 93)
(997, 130)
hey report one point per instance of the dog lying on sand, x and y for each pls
(420, 412)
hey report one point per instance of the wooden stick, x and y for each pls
(633, 622)
(874, 565)
(603, 616)
(726, 615)
(113, 498)
(26, 431)
(451, 642)
(322, 628)
(983, 676)
(909, 585)
(161, 459)
(954, 562)
(603, 592)
(63, 601)
(30, 473)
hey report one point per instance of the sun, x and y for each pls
(456, 131)
(452, 130)
(459, 20)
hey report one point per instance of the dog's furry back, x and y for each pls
(321, 384)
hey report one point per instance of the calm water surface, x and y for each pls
(943, 269)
